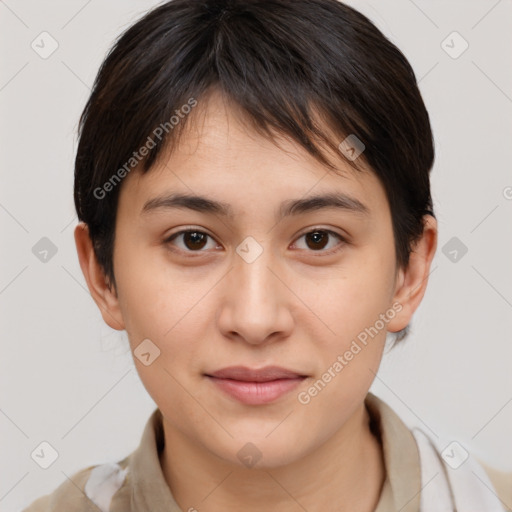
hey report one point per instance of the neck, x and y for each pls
(346, 473)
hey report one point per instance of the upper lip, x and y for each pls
(265, 374)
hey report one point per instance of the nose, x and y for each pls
(256, 304)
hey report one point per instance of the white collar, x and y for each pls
(453, 485)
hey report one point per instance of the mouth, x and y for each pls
(256, 386)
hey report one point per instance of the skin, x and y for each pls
(294, 306)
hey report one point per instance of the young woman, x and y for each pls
(252, 181)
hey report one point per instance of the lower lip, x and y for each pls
(256, 393)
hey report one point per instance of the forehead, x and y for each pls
(220, 156)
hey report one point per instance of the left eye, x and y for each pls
(317, 240)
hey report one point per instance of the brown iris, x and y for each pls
(194, 239)
(319, 239)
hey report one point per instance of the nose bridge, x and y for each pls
(255, 301)
(257, 283)
(253, 274)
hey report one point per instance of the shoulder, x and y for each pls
(502, 483)
(70, 492)
(90, 489)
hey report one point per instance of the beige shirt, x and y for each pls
(144, 488)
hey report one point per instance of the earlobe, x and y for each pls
(103, 296)
(411, 282)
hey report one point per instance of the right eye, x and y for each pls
(192, 240)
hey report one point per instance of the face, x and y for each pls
(311, 290)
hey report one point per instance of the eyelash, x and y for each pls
(343, 240)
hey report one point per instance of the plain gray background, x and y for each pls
(69, 380)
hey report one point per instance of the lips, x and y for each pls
(255, 386)
(266, 374)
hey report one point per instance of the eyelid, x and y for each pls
(311, 229)
(186, 229)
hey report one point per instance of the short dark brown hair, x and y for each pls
(279, 61)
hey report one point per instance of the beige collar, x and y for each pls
(402, 486)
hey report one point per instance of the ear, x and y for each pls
(105, 298)
(411, 282)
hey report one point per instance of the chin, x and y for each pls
(260, 452)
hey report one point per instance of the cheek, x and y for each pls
(157, 303)
(151, 295)
(352, 297)
(354, 333)
(165, 308)
(350, 350)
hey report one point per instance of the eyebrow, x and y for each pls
(288, 208)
